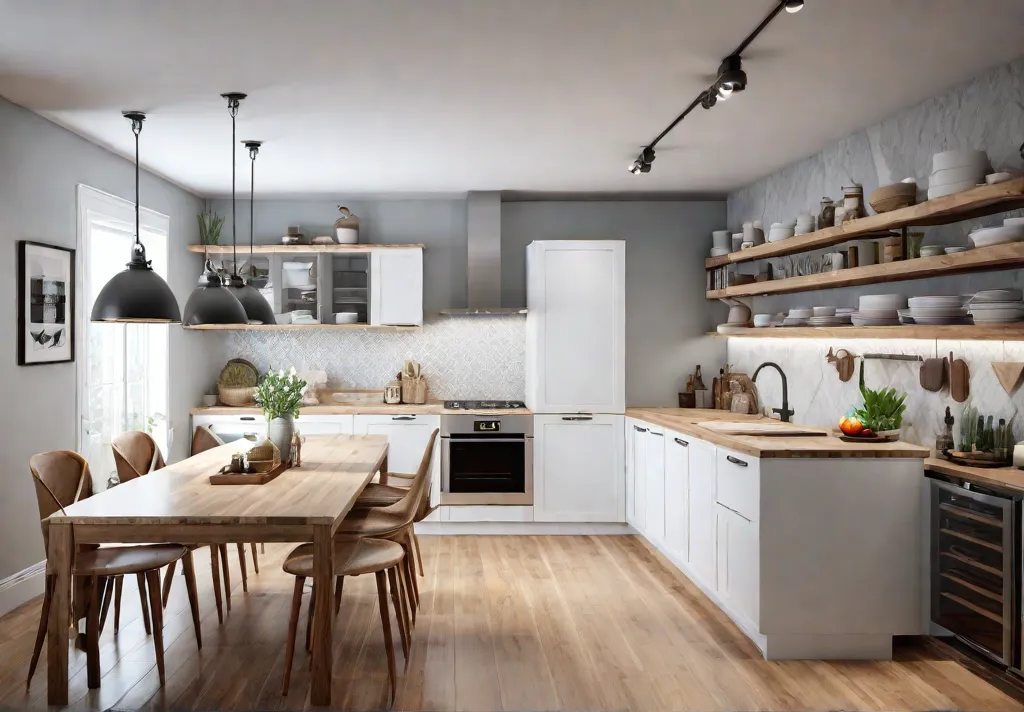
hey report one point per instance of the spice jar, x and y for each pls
(853, 201)
(827, 214)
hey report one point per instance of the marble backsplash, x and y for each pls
(820, 398)
(462, 357)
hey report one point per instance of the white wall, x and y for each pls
(41, 166)
(666, 313)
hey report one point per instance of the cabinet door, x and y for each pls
(233, 427)
(738, 563)
(677, 485)
(702, 511)
(578, 468)
(396, 287)
(628, 462)
(576, 326)
(324, 425)
(654, 484)
(639, 435)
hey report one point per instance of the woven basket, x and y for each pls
(894, 203)
(234, 396)
(414, 390)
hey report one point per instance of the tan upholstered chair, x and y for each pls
(62, 478)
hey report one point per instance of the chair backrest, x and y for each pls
(61, 478)
(135, 454)
(410, 505)
(204, 439)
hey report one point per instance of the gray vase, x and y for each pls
(280, 431)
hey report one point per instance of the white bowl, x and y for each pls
(347, 235)
(961, 157)
(944, 190)
(997, 235)
(1001, 177)
(762, 319)
(824, 311)
(780, 233)
(936, 301)
(801, 313)
(1006, 294)
(950, 176)
(955, 250)
(882, 301)
(932, 250)
(285, 318)
(346, 318)
(719, 251)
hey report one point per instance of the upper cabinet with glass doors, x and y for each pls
(333, 286)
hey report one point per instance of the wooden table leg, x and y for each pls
(384, 471)
(323, 616)
(59, 562)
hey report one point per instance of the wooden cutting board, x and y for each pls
(763, 430)
(1010, 375)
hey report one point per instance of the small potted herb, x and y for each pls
(882, 411)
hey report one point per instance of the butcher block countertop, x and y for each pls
(685, 420)
(428, 408)
(1005, 477)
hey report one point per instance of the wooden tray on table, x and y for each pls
(248, 478)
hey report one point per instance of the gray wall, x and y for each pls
(42, 165)
(440, 224)
(985, 113)
(666, 314)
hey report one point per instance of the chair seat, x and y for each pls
(378, 495)
(120, 560)
(351, 558)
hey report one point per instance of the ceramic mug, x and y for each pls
(835, 261)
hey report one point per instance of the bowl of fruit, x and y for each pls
(878, 419)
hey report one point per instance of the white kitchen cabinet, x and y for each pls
(408, 435)
(396, 287)
(638, 503)
(738, 564)
(738, 482)
(253, 426)
(578, 468)
(654, 484)
(324, 425)
(701, 536)
(575, 326)
(631, 423)
(677, 485)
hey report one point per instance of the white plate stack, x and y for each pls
(798, 316)
(956, 171)
(997, 306)
(878, 310)
(1012, 230)
(937, 311)
(829, 316)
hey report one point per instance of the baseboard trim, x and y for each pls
(520, 528)
(21, 587)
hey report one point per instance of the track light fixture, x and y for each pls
(731, 80)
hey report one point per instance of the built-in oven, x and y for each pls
(976, 567)
(486, 459)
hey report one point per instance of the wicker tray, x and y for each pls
(251, 478)
(973, 459)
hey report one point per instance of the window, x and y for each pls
(123, 368)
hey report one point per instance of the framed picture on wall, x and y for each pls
(46, 304)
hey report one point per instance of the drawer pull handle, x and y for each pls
(248, 417)
(735, 461)
(660, 435)
(682, 442)
(403, 417)
(577, 417)
(639, 429)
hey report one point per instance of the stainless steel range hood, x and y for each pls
(483, 263)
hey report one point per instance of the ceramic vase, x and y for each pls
(280, 431)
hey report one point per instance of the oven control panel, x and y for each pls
(486, 426)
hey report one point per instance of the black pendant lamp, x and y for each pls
(212, 302)
(257, 308)
(138, 294)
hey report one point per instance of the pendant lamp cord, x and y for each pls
(252, 210)
(233, 106)
(137, 129)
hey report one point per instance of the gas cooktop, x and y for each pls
(484, 405)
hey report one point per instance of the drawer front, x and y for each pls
(738, 483)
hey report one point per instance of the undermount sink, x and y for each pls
(761, 428)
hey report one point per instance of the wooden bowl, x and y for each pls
(892, 197)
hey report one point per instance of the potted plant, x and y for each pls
(882, 411)
(279, 395)
(209, 228)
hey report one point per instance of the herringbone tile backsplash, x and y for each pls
(462, 357)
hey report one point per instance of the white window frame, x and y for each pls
(92, 201)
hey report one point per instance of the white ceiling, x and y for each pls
(382, 96)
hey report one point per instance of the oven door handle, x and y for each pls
(487, 440)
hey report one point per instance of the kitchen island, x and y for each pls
(812, 545)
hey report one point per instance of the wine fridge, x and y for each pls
(976, 569)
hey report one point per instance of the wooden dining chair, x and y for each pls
(395, 522)
(62, 478)
(351, 558)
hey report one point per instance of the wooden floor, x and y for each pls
(507, 623)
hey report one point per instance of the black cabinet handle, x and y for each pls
(660, 435)
(577, 417)
(735, 461)
(403, 417)
(248, 417)
(682, 442)
(639, 429)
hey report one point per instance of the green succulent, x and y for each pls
(210, 225)
(883, 409)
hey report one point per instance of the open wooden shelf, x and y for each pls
(970, 204)
(1005, 256)
(296, 249)
(980, 332)
(300, 327)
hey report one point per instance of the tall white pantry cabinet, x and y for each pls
(575, 378)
